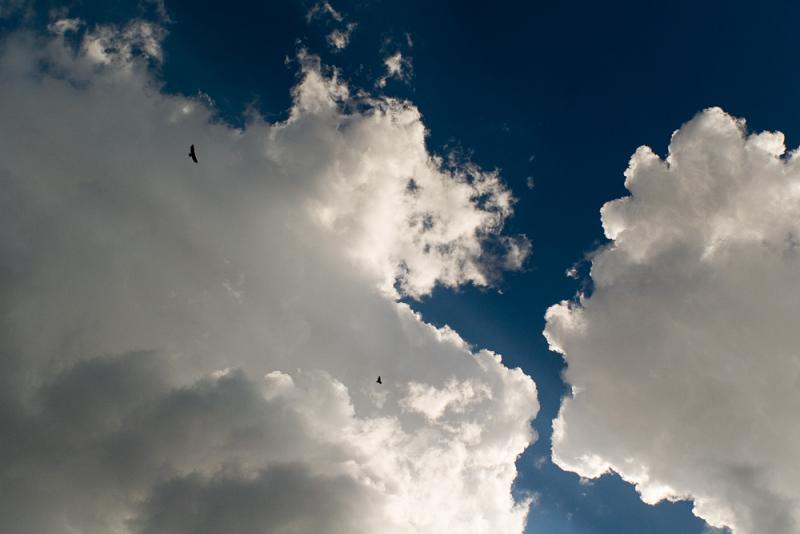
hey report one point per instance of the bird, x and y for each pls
(192, 154)
(379, 380)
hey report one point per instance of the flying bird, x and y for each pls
(192, 154)
(379, 380)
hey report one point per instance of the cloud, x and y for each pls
(191, 346)
(454, 396)
(62, 26)
(394, 64)
(683, 361)
(321, 9)
(398, 67)
(286, 497)
(340, 38)
(107, 43)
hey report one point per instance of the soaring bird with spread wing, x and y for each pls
(192, 154)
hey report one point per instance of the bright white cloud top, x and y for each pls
(685, 360)
(193, 348)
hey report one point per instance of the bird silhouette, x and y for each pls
(379, 380)
(192, 154)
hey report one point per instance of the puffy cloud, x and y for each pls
(684, 360)
(285, 497)
(455, 396)
(190, 348)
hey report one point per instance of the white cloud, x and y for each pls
(684, 361)
(62, 26)
(397, 66)
(340, 38)
(455, 396)
(394, 64)
(321, 9)
(107, 44)
(193, 348)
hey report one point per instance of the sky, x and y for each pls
(565, 235)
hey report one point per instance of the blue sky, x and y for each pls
(558, 93)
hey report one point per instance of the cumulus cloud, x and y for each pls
(454, 396)
(193, 348)
(684, 361)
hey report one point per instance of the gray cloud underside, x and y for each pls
(193, 348)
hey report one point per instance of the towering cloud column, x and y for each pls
(684, 361)
(193, 348)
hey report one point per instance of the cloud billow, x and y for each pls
(684, 361)
(191, 347)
